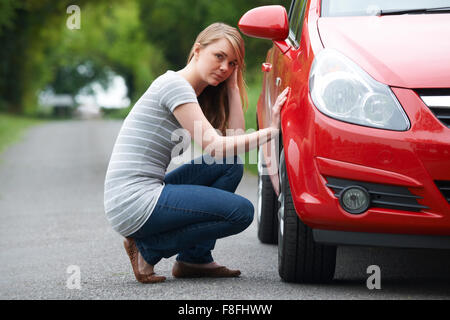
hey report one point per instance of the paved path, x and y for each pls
(51, 218)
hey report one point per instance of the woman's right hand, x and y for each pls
(276, 109)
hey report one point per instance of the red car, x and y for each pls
(364, 154)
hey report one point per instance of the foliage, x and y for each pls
(7, 13)
(174, 25)
(111, 39)
(71, 78)
(137, 39)
(29, 29)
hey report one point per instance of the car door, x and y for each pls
(277, 76)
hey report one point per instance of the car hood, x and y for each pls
(410, 51)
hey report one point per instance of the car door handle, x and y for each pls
(266, 67)
(278, 82)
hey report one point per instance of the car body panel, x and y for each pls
(388, 46)
(289, 67)
(317, 147)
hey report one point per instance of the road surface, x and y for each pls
(53, 232)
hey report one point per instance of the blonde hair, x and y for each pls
(214, 100)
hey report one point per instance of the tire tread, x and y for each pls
(303, 260)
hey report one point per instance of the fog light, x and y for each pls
(354, 199)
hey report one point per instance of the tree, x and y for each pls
(38, 50)
(173, 25)
(112, 38)
(138, 39)
(26, 29)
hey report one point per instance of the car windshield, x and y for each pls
(339, 8)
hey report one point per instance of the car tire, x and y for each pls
(267, 206)
(300, 258)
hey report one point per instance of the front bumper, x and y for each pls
(332, 237)
(318, 148)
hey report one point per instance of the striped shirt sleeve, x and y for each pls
(175, 91)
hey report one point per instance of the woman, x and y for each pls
(185, 211)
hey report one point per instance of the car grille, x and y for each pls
(382, 196)
(444, 187)
(438, 100)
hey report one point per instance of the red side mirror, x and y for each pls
(267, 22)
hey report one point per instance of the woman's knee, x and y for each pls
(244, 213)
(237, 166)
(235, 163)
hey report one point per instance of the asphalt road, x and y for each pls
(51, 219)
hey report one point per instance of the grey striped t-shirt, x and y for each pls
(142, 152)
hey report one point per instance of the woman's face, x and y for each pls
(216, 62)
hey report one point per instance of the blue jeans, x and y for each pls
(197, 206)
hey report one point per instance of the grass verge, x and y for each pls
(254, 90)
(13, 127)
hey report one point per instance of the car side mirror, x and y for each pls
(267, 22)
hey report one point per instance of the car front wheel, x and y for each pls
(300, 258)
(267, 207)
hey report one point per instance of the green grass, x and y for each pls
(253, 92)
(13, 127)
(115, 114)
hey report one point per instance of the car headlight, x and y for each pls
(342, 90)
